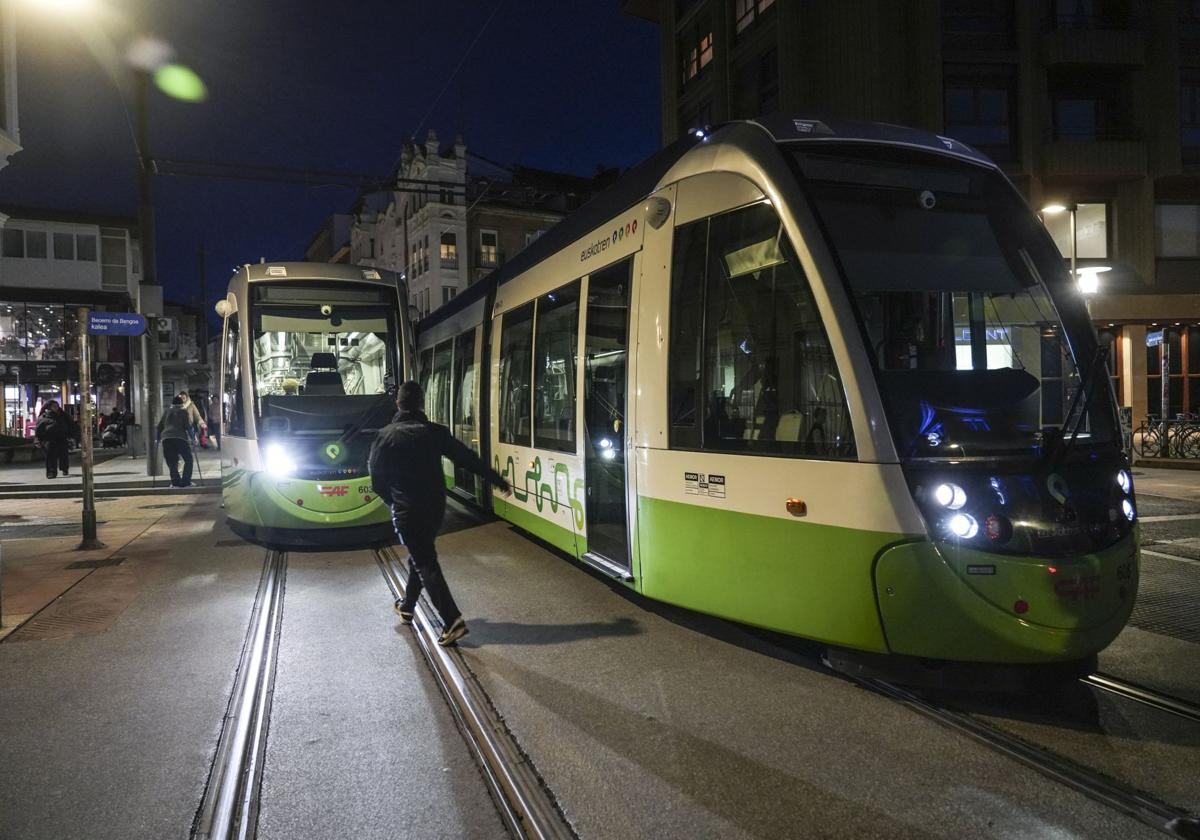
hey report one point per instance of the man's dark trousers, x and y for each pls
(57, 458)
(173, 450)
(424, 571)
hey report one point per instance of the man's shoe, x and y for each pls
(453, 633)
(405, 613)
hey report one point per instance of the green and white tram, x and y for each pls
(311, 353)
(826, 378)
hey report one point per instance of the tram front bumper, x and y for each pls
(940, 601)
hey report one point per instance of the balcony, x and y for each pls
(1093, 46)
(1114, 155)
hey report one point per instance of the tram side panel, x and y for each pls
(753, 512)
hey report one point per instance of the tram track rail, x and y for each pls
(230, 805)
(526, 805)
(1126, 799)
(1145, 696)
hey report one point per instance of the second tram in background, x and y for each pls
(311, 354)
(830, 379)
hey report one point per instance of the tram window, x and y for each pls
(687, 297)
(437, 393)
(752, 369)
(516, 361)
(557, 345)
(232, 422)
(426, 368)
(464, 389)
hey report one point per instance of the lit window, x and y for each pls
(488, 247)
(1091, 231)
(449, 250)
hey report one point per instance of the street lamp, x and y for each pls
(150, 60)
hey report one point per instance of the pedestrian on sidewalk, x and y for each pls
(173, 435)
(196, 420)
(406, 470)
(53, 432)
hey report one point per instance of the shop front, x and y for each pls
(39, 362)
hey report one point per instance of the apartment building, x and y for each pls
(1092, 105)
(452, 218)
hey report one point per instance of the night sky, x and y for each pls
(554, 84)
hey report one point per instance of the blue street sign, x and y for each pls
(1153, 339)
(116, 323)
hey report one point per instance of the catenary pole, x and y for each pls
(85, 434)
(151, 370)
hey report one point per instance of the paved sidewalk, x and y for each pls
(116, 474)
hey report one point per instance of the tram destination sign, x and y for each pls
(116, 323)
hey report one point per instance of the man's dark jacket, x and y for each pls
(53, 428)
(406, 468)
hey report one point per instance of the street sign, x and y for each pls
(1153, 339)
(116, 323)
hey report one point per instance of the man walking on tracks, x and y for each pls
(406, 469)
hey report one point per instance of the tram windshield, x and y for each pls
(979, 341)
(321, 353)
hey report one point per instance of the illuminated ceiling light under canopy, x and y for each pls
(1054, 208)
(63, 6)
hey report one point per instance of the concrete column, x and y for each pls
(1133, 370)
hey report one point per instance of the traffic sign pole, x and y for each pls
(85, 423)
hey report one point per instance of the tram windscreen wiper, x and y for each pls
(1084, 396)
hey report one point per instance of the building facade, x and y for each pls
(10, 134)
(1093, 105)
(447, 224)
(51, 264)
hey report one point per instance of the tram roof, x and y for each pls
(644, 178)
(301, 270)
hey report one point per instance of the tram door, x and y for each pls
(605, 363)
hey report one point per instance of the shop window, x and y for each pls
(516, 361)
(45, 332)
(556, 345)
(750, 366)
(1177, 230)
(12, 331)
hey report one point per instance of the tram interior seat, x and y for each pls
(323, 378)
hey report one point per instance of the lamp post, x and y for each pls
(150, 60)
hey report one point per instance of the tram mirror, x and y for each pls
(223, 308)
(657, 211)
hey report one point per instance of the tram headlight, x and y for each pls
(279, 461)
(963, 526)
(950, 496)
(1127, 509)
(1124, 481)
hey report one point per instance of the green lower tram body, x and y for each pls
(879, 592)
(297, 514)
